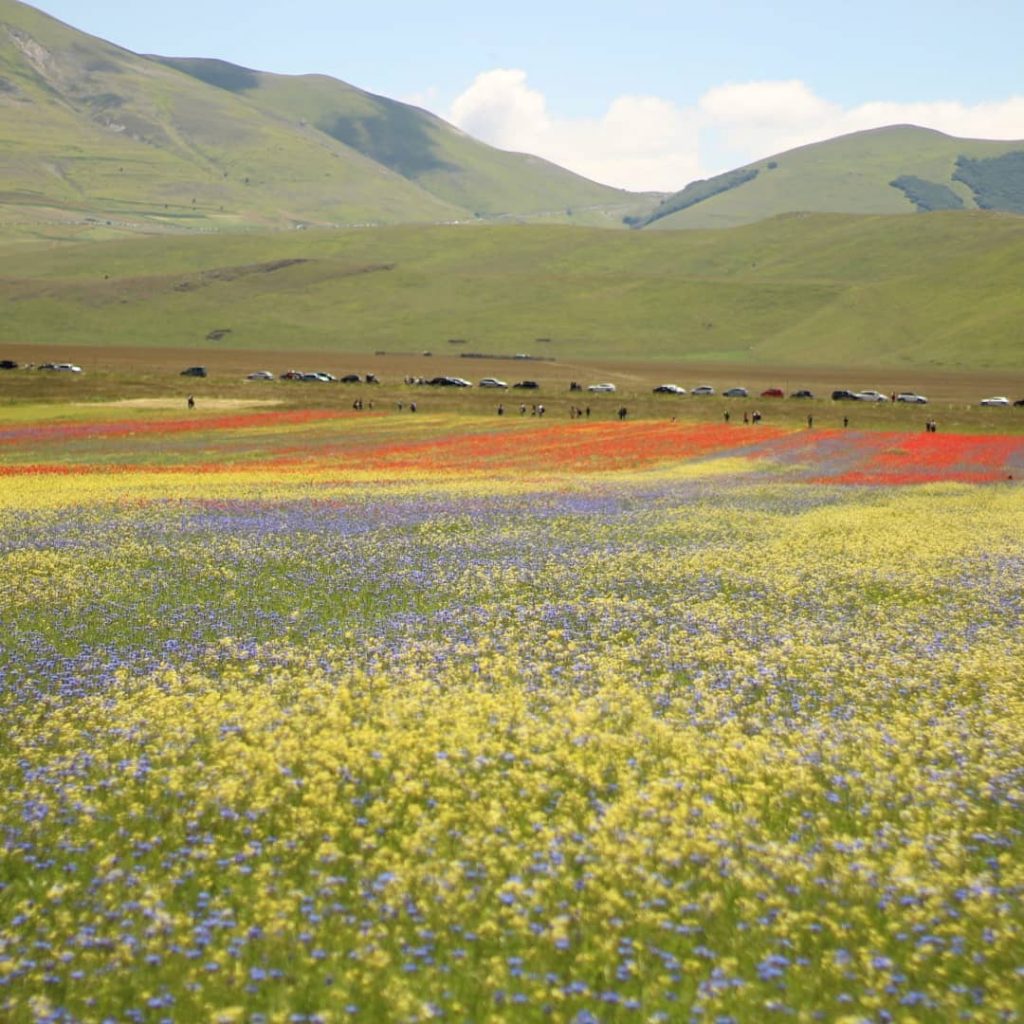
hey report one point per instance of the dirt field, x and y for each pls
(150, 379)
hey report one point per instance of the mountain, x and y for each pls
(99, 140)
(414, 143)
(899, 169)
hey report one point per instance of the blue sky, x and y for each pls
(640, 94)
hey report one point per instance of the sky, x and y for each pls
(642, 95)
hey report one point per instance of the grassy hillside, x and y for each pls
(940, 291)
(421, 147)
(99, 141)
(900, 169)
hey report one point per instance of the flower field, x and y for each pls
(339, 717)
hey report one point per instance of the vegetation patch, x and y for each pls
(927, 195)
(694, 193)
(997, 182)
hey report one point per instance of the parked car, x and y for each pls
(911, 398)
(802, 393)
(259, 375)
(870, 395)
(64, 367)
(604, 388)
(327, 378)
(736, 393)
(450, 382)
(291, 375)
(528, 385)
(773, 393)
(703, 389)
(349, 378)
(843, 395)
(996, 400)
(669, 389)
(194, 371)
(1020, 401)
(8, 364)
(492, 382)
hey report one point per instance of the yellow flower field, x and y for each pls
(678, 742)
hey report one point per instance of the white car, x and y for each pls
(603, 388)
(912, 397)
(260, 375)
(492, 382)
(703, 389)
(870, 395)
(997, 400)
(669, 389)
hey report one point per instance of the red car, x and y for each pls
(772, 393)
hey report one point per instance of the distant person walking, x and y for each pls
(501, 409)
(846, 422)
(725, 415)
(191, 401)
(810, 422)
(622, 413)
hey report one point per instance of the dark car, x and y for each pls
(350, 378)
(194, 371)
(8, 364)
(802, 393)
(528, 384)
(450, 382)
(843, 396)
(1020, 401)
(772, 393)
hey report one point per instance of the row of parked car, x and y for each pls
(10, 364)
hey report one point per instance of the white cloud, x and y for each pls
(647, 142)
(641, 142)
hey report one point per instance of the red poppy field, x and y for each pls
(291, 442)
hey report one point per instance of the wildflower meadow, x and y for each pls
(316, 717)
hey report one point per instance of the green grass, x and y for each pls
(940, 291)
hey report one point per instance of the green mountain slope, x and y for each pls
(419, 146)
(900, 169)
(98, 140)
(802, 290)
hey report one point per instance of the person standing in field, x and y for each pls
(191, 401)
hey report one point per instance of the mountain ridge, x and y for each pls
(893, 169)
(100, 137)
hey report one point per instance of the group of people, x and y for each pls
(748, 417)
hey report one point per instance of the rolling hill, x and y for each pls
(941, 291)
(98, 141)
(899, 169)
